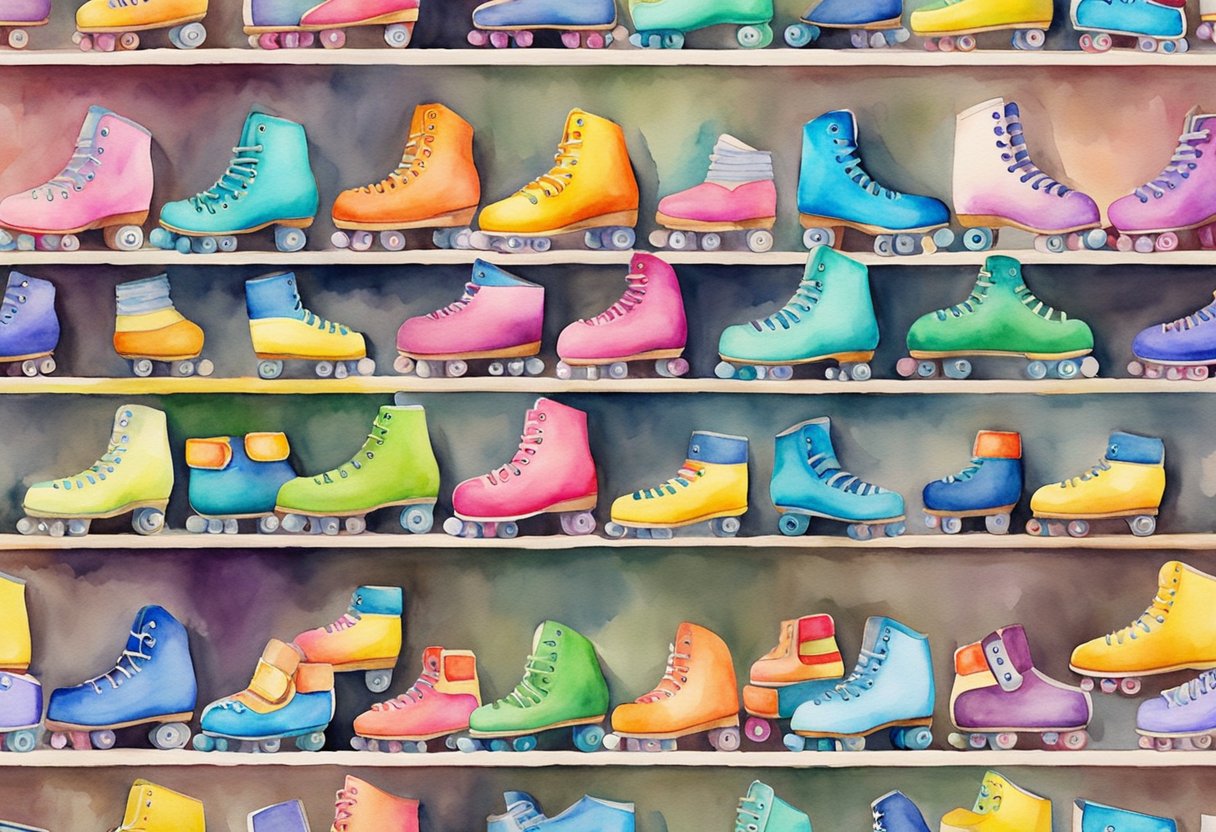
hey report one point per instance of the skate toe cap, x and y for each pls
(472, 498)
(961, 819)
(45, 496)
(93, 14)
(740, 341)
(1127, 212)
(514, 215)
(760, 701)
(633, 718)
(299, 494)
(1156, 715)
(1093, 655)
(356, 205)
(180, 214)
(495, 13)
(577, 341)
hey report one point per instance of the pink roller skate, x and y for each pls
(331, 17)
(106, 184)
(499, 319)
(647, 323)
(18, 15)
(552, 472)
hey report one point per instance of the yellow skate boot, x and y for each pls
(590, 187)
(148, 328)
(105, 25)
(367, 637)
(951, 24)
(14, 626)
(1001, 807)
(153, 808)
(805, 663)
(1128, 482)
(1176, 632)
(710, 486)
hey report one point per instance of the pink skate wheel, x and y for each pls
(83, 41)
(1204, 32)
(290, 40)
(1197, 373)
(1086, 41)
(1103, 42)
(500, 40)
(930, 45)
(333, 38)
(307, 39)
(1166, 242)
(18, 39)
(1130, 686)
(1207, 236)
(523, 39)
(105, 42)
(594, 40)
(906, 367)
(268, 40)
(966, 43)
(946, 44)
(757, 729)
(571, 40)
(1124, 243)
(478, 38)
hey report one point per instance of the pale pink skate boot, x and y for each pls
(499, 318)
(552, 472)
(997, 185)
(332, 16)
(106, 184)
(647, 323)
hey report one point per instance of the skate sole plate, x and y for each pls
(926, 722)
(53, 725)
(278, 735)
(632, 524)
(617, 218)
(816, 221)
(449, 219)
(589, 27)
(95, 225)
(808, 513)
(521, 351)
(988, 221)
(27, 356)
(684, 224)
(1127, 674)
(569, 723)
(979, 512)
(299, 222)
(1191, 227)
(286, 356)
(1022, 729)
(414, 737)
(358, 512)
(118, 512)
(873, 26)
(637, 356)
(842, 357)
(581, 504)
(978, 30)
(923, 355)
(143, 27)
(1105, 515)
(731, 721)
(404, 16)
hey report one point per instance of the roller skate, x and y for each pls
(647, 323)
(1182, 717)
(819, 323)
(1175, 633)
(275, 24)
(498, 319)
(148, 329)
(282, 329)
(367, 637)
(1000, 318)
(1152, 25)
(29, 327)
(523, 810)
(947, 25)
(998, 692)
(890, 688)
(437, 705)
(281, 817)
(233, 478)
(661, 24)
(151, 684)
(696, 695)
(590, 188)
(997, 185)
(292, 24)
(10, 826)
(805, 663)
(710, 486)
(1181, 349)
(872, 24)
(989, 487)
(361, 807)
(286, 698)
(761, 810)
(835, 193)
(556, 477)
(107, 26)
(268, 182)
(435, 185)
(809, 482)
(109, 488)
(895, 812)
(562, 687)
(1128, 483)
(1095, 817)
(16, 16)
(1207, 26)
(395, 467)
(738, 194)
(503, 23)
(153, 808)
(20, 693)
(1178, 199)
(111, 192)
(1001, 806)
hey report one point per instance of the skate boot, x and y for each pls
(1127, 482)
(20, 693)
(153, 808)
(498, 319)
(395, 467)
(805, 663)
(835, 193)
(646, 323)
(586, 814)
(29, 327)
(661, 24)
(711, 486)
(1001, 806)
(562, 687)
(997, 184)
(282, 329)
(1175, 633)
(107, 26)
(332, 17)
(1153, 26)
(286, 697)
(947, 25)
(819, 323)
(148, 329)
(998, 692)
(989, 487)
(1207, 27)
(1181, 349)
(268, 182)
(875, 23)
(1182, 717)
(809, 482)
(15, 640)
(523, 811)
(367, 637)
(895, 812)
(151, 683)
(281, 817)
(1088, 816)
(275, 24)
(556, 477)
(16, 16)
(590, 188)
(1003, 318)
(697, 694)
(233, 478)
(738, 194)
(108, 489)
(435, 185)
(437, 705)
(1177, 199)
(890, 687)
(760, 809)
(502, 23)
(361, 807)
(111, 192)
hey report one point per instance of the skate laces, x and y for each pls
(129, 656)
(690, 471)
(470, 290)
(524, 812)
(532, 436)
(1155, 614)
(559, 176)
(344, 805)
(1180, 164)
(878, 814)
(633, 296)
(847, 156)
(533, 687)
(1193, 690)
(425, 682)
(965, 474)
(96, 472)
(374, 440)
(802, 302)
(979, 293)
(840, 479)
(674, 676)
(1096, 470)
(748, 814)
(1195, 319)
(1019, 159)
(14, 297)
(857, 682)
(72, 177)
(242, 170)
(345, 622)
(408, 164)
(310, 318)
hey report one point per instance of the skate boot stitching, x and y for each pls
(376, 438)
(410, 164)
(145, 639)
(1157, 612)
(558, 176)
(1020, 157)
(103, 466)
(669, 686)
(71, 174)
(241, 169)
(748, 820)
(1182, 161)
(856, 683)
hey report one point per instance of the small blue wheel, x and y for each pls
(917, 738)
(161, 238)
(673, 40)
(205, 742)
(204, 245)
(794, 742)
(182, 244)
(977, 239)
(311, 742)
(418, 519)
(527, 743)
(289, 239)
(793, 525)
(21, 741)
(1068, 368)
(799, 35)
(588, 738)
(442, 237)
(499, 745)
(468, 745)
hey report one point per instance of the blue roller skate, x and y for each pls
(236, 477)
(1154, 25)
(989, 487)
(871, 23)
(583, 23)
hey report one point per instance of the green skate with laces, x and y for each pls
(1002, 318)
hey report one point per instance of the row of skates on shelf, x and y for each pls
(552, 472)
(563, 700)
(591, 189)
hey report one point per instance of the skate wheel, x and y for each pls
(1199, 372)
(620, 239)
(1163, 743)
(268, 524)
(377, 681)
(859, 531)
(956, 368)
(852, 743)
(183, 368)
(573, 523)
(1166, 242)
(1005, 741)
(793, 525)
(148, 520)
(711, 241)
(170, 735)
(725, 739)
(478, 38)
(1108, 685)
(500, 40)
(309, 742)
(588, 738)
(419, 519)
(960, 741)
(818, 237)
(18, 39)
(725, 526)
(952, 525)
(1068, 369)
(858, 39)
(926, 369)
(324, 369)
(757, 729)
(754, 37)
(127, 42)
(1130, 686)
(190, 36)
(884, 245)
(78, 527)
(269, 369)
(1036, 370)
(526, 743)
(799, 35)
(571, 40)
(103, 740)
(858, 372)
(793, 742)
(355, 525)
(455, 368)
(204, 367)
(392, 240)
(965, 43)
(618, 370)
(203, 245)
(1202, 742)
(1078, 528)
(332, 38)
(123, 237)
(20, 742)
(357, 241)
(760, 241)
(977, 239)
(932, 521)
(1205, 31)
(215, 526)
(142, 367)
(289, 239)
(1135, 368)
(997, 523)
(676, 367)
(615, 530)
(1077, 740)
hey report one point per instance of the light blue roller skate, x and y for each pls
(235, 477)
(1096, 817)
(871, 23)
(1155, 25)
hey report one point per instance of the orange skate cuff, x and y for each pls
(212, 454)
(970, 659)
(998, 444)
(267, 447)
(313, 677)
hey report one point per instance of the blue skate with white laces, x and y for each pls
(871, 23)
(1155, 25)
